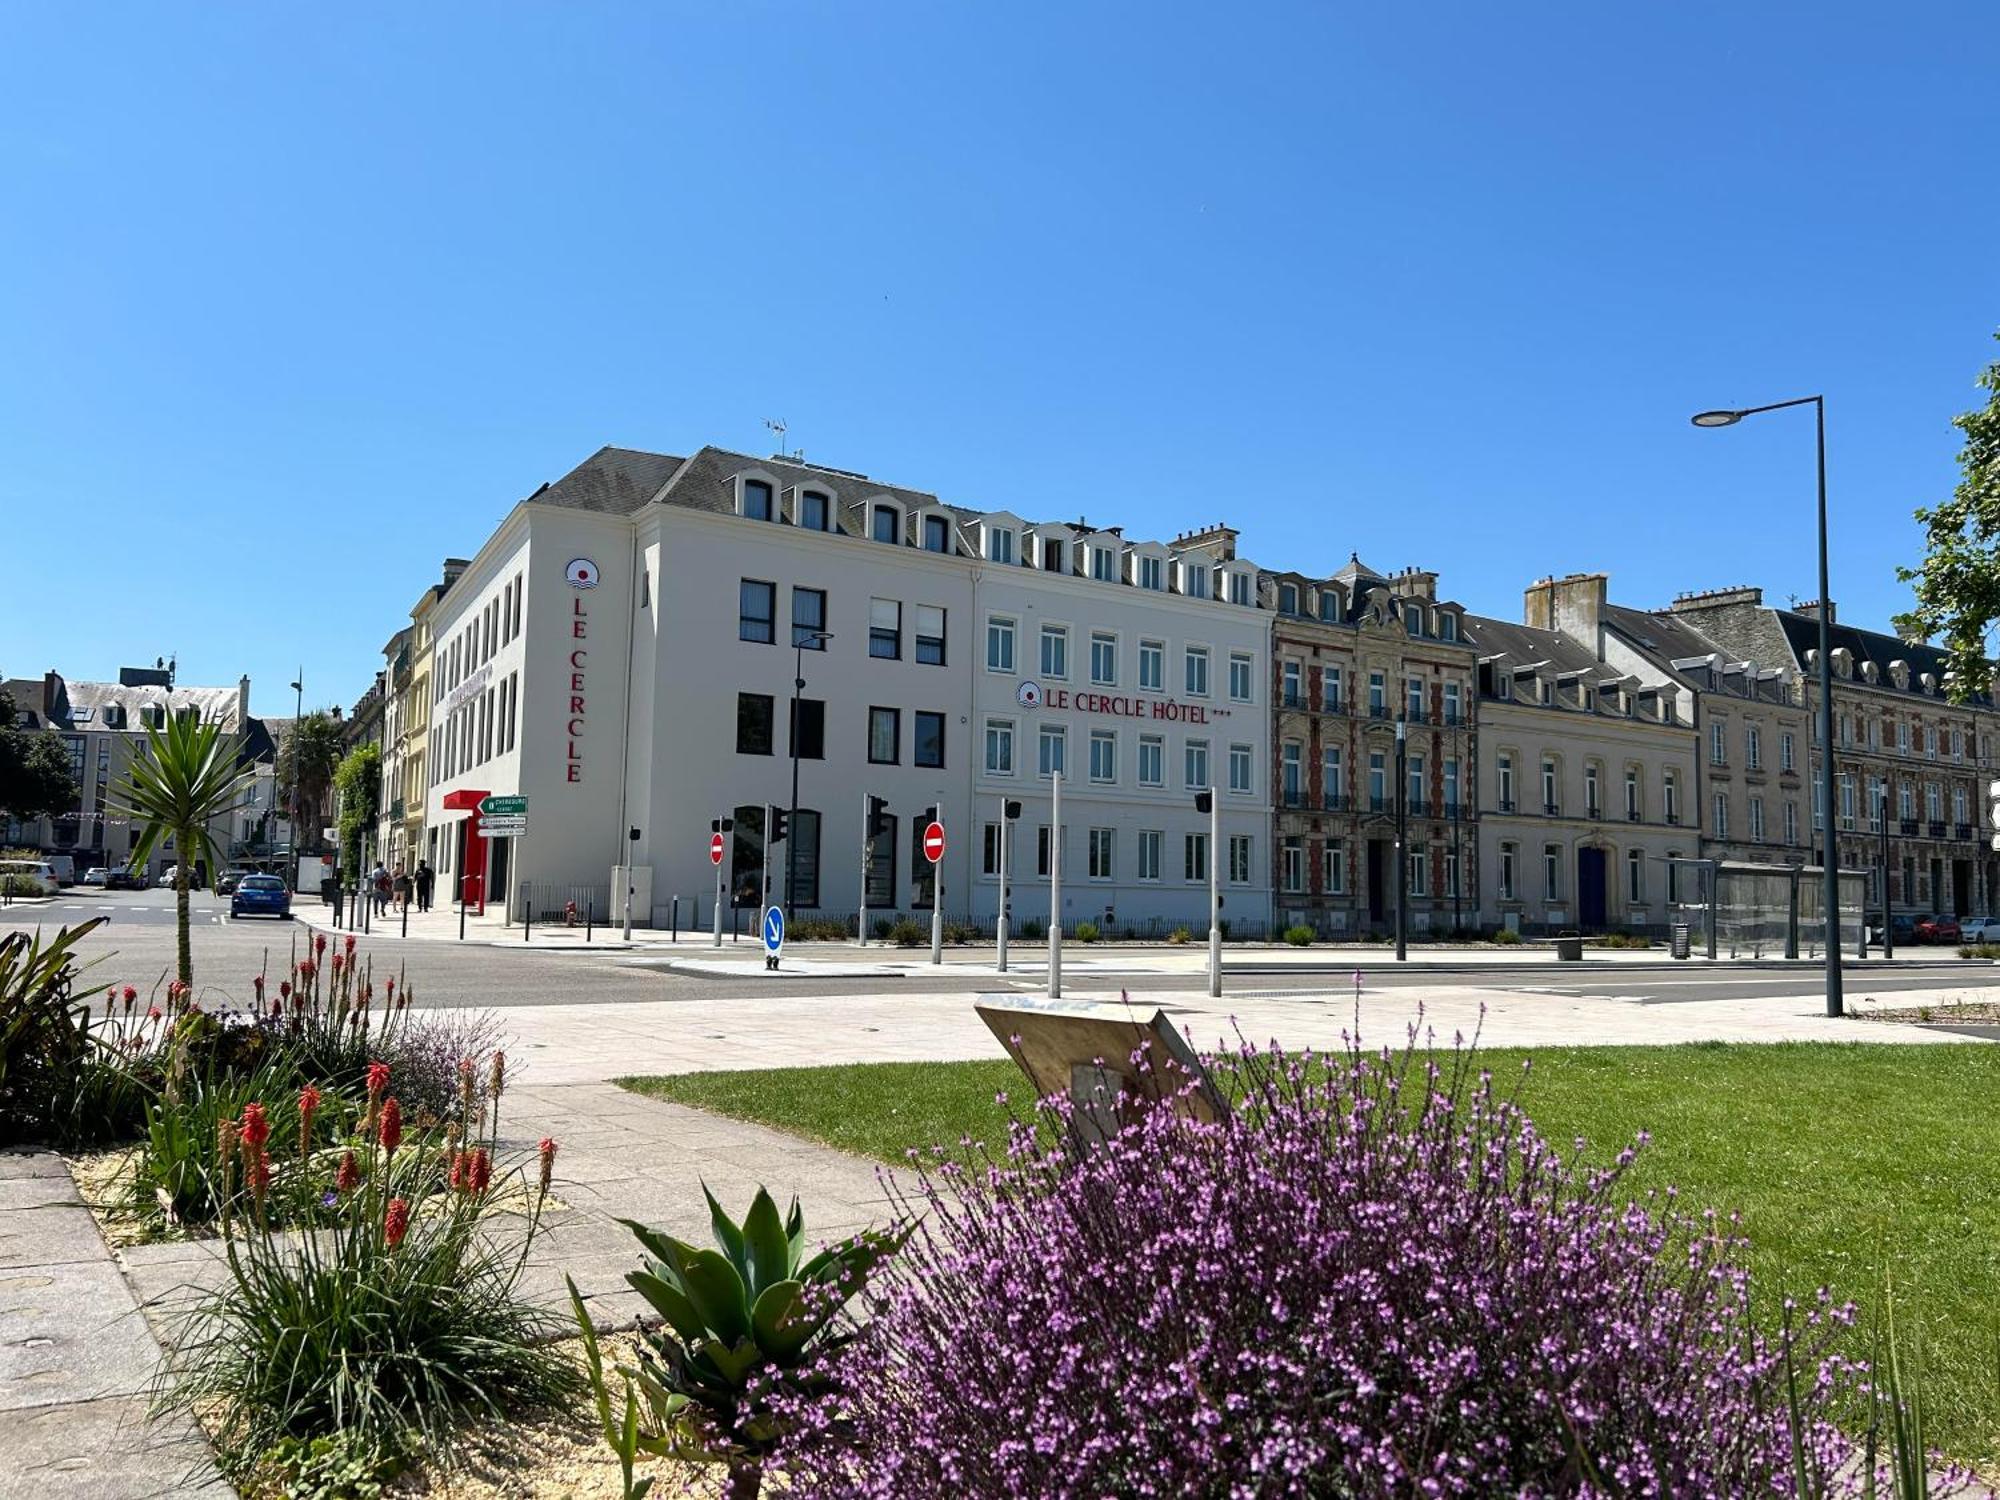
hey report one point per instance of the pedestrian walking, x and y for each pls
(401, 882)
(426, 882)
(378, 888)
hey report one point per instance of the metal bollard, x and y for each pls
(527, 915)
(677, 919)
(406, 919)
(589, 915)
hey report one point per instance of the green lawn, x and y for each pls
(1838, 1157)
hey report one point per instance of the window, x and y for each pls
(1194, 857)
(755, 716)
(1288, 599)
(930, 635)
(1722, 815)
(1194, 581)
(1291, 678)
(1042, 850)
(1420, 874)
(1454, 699)
(1718, 743)
(1414, 700)
(881, 865)
(1104, 659)
(1197, 671)
(1903, 736)
(809, 618)
(1102, 844)
(1239, 769)
(1152, 666)
(999, 644)
(999, 545)
(1150, 840)
(885, 736)
(756, 611)
(1194, 763)
(1052, 750)
(923, 874)
(1333, 867)
(1329, 776)
(1791, 823)
(927, 740)
(1378, 695)
(1592, 800)
(1152, 575)
(1753, 747)
(1930, 740)
(1378, 781)
(1785, 756)
(1451, 786)
(989, 849)
(1152, 760)
(1241, 851)
(1504, 766)
(1958, 804)
(1103, 564)
(1550, 803)
(810, 735)
(885, 524)
(756, 500)
(1239, 588)
(1414, 765)
(1635, 876)
(1552, 871)
(1957, 743)
(1906, 802)
(1448, 630)
(802, 849)
(812, 510)
(1329, 689)
(885, 628)
(1450, 855)
(1292, 865)
(1933, 807)
(1241, 670)
(1103, 755)
(999, 748)
(1509, 858)
(1670, 796)
(1756, 820)
(937, 534)
(1631, 795)
(1052, 557)
(1055, 651)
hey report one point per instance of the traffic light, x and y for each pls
(1013, 810)
(927, 817)
(1204, 801)
(781, 822)
(878, 817)
(721, 825)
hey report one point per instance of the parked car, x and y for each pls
(34, 877)
(1939, 927)
(65, 867)
(1979, 930)
(124, 880)
(1904, 925)
(97, 875)
(260, 896)
(226, 882)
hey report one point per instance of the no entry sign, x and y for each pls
(715, 849)
(934, 842)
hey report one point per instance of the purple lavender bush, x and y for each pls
(1371, 1278)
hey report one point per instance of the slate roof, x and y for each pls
(1522, 644)
(612, 481)
(1802, 635)
(216, 704)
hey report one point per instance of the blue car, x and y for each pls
(260, 896)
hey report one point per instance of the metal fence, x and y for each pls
(547, 901)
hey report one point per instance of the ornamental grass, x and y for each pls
(391, 1315)
(1361, 1275)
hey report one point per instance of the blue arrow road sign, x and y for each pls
(774, 929)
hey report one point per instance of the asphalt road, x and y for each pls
(136, 946)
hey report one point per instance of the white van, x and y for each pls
(64, 867)
(30, 877)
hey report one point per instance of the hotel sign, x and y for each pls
(1121, 705)
(470, 688)
(579, 658)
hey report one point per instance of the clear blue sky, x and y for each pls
(297, 300)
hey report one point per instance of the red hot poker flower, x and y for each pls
(257, 983)
(548, 1160)
(378, 1077)
(256, 1127)
(350, 943)
(396, 1222)
(319, 942)
(130, 994)
(308, 1105)
(391, 1128)
(479, 1170)
(348, 1178)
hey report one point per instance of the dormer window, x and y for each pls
(1288, 599)
(885, 524)
(1103, 565)
(1239, 588)
(937, 534)
(1052, 556)
(1194, 580)
(1152, 573)
(1329, 605)
(999, 544)
(1447, 627)
(812, 510)
(756, 500)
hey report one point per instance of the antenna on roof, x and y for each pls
(777, 425)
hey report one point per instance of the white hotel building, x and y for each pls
(621, 651)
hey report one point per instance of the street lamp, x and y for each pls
(298, 713)
(801, 638)
(1828, 859)
(1402, 839)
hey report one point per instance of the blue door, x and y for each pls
(1590, 888)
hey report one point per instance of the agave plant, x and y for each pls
(742, 1323)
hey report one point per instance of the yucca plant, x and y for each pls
(191, 775)
(744, 1322)
(49, 1047)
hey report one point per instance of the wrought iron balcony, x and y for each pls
(1552, 809)
(1907, 827)
(1293, 701)
(1507, 805)
(1378, 710)
(1937, 830)
(1962, 831)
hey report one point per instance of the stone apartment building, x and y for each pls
(1584, 773)
(1748, 792)
(1356, 659)
(1898, 742)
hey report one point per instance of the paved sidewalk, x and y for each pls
(76, 1357)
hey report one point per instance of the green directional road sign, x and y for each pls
(503, 807)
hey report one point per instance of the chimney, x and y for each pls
(242, 703)
(52, 695)
(453, 568)
(1695, 603)
(1810, 609)
(1218, 541)
(1571, 606)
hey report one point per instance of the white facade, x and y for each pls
(622, 652)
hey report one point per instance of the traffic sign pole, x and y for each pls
(715, 858)
(934, 852)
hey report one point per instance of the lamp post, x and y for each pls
(298, 713)
(1402, 839)
(1888, 926)
(1829, 861)
(801, 638)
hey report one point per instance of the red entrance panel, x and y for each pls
(472, 869)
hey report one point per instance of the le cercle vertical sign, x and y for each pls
(581, 575)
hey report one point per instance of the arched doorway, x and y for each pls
(1593, 872)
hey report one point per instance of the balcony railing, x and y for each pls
(1416, 806)
(1416, 715)
(1631, 814)
(1453, 718)
(1552, 809)
(1378, 710)
(1507, 804)
(1333, 802)
(1962, 831)
(1293, 797)
(1907, 827)
(1334, 705)
(1937, 830)
(1293, 700)
(1673, 820)
(1593, 812)
(1380, 804)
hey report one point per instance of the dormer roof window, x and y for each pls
(1194, 580)
(812, 510)
(756, 500)
(1239, 588)
(999, 544)
(885, 523)
(937, 534)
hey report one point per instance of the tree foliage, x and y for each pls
(306, 764)
(1958, 583)
(35, 779)
(359, 780)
